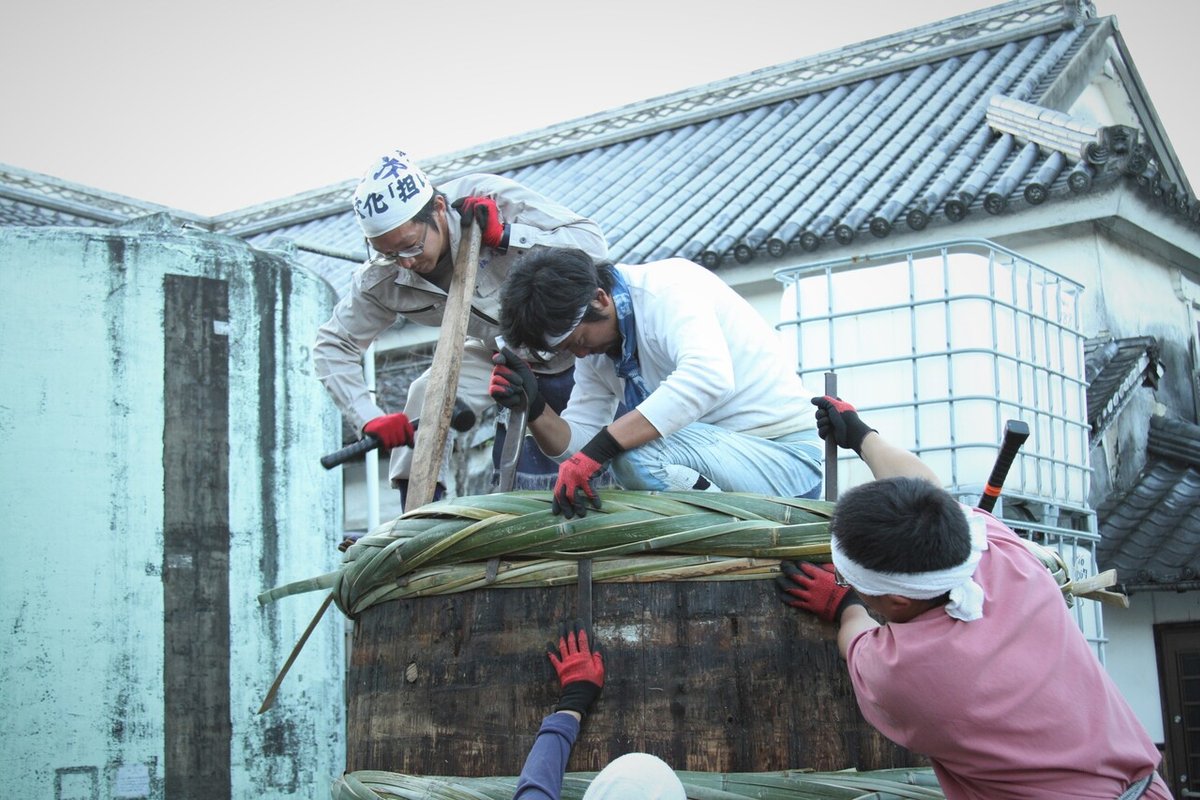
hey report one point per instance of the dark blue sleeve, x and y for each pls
(542, 776)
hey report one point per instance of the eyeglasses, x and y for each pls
(839, 580)
(534, 355)
(388, 259)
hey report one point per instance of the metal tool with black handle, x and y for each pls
(1015, 434)
(510, 459)
(831, 448)
(462, 420)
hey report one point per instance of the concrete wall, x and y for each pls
(103, 499)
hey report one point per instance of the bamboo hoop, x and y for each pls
(901, 784)
(444, 547)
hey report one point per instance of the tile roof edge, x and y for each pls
(1175, 440)
(291, 210)
(1139, 97)
(1134, 378)
(46, 191)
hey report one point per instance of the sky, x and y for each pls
(212, 107)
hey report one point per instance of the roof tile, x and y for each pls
(1151, 532)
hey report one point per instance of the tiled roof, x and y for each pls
(904, 132)
(921, 129)
(1151, 533)
(1113, 370)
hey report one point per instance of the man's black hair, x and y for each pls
(425, 215)
(544, 291)
(901, 525)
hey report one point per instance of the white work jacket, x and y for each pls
(382, 295)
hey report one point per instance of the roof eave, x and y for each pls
(1117, 208)
(1174, 586)
(1144, 107)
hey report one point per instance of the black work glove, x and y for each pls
(580, 668)
(493, 232)
(514, 384)
(575, 475)
(837, 417)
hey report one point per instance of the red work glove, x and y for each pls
(580, 669)
(839, 417)
(393, 430)
(575, 475)
(514, 384)
(495, 233)
(803, 584)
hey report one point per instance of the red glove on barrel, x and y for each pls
(580, 669)
(812, 588)
(392, 430)
(495, 233)
(575, 475)
(837, 417)
(514, 384)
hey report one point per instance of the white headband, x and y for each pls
(966, 596)
(554, 341)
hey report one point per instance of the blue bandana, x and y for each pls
(627, 364)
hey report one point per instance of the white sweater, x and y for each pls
(706, 356)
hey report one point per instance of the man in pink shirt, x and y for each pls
(979, 664)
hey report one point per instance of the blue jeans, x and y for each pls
(790, 466)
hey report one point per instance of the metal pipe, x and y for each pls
(372, 457)
(831, 454)
(330, 252)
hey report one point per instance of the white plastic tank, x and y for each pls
(161, 430)
(939, 348)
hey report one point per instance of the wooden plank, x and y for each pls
(195, 571)
(442, 386)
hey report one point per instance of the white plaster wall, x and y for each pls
(81, 598)
(1132, 660)
(1128, 290)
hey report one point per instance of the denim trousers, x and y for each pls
(790, 466)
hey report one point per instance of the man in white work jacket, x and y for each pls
(413, 230)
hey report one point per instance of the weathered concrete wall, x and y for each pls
(122, 503)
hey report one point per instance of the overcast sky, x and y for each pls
(211, 107)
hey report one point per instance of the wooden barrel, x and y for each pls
(714, 676)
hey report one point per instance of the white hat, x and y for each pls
(391, 192)
(636, 776)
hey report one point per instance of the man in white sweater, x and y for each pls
(710, 401)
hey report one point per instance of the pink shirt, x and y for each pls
(1013, 705)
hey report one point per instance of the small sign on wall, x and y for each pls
(132, 780)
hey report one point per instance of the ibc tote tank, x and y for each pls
(940, 347)
(161, 430)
